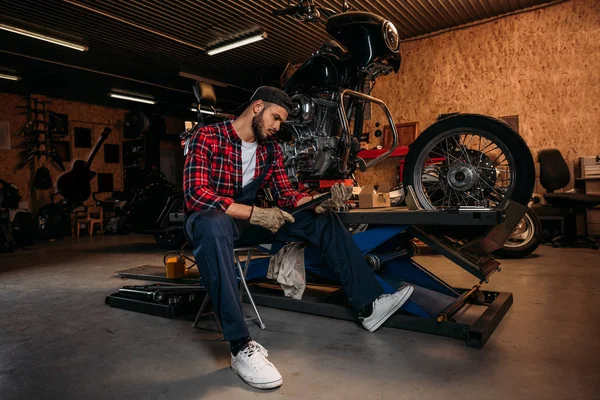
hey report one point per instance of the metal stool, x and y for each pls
(243, 287)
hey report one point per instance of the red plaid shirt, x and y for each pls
(213, 170)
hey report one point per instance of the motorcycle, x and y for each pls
(154, 206)
(461, 160)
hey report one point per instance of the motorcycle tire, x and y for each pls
(170, 240)
(531, 227)
(497, 132)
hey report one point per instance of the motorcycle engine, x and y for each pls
(311, 139)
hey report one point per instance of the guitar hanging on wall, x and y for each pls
(75, 185)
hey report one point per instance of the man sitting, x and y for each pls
(226, 164)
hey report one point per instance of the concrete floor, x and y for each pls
(59, 341)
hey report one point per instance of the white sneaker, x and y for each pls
(252, 366)
(385, 306)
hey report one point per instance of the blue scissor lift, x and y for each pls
(435, 306)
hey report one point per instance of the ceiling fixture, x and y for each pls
(200, 78)
(202, 111)
(10, 77)
(50, 39)
(132, 96)
(139, 100)
(237, 43)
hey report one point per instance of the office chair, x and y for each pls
(554, 175)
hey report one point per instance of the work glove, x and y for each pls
(339, 195)
(270, 218)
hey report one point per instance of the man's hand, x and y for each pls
(339, 195)
(270, 218)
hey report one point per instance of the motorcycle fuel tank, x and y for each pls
(322, 72)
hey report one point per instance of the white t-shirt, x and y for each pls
(248, 161)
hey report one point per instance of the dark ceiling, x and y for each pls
(150, 42)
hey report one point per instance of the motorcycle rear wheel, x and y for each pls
(468, 160)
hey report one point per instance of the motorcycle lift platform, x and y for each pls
(435, 307)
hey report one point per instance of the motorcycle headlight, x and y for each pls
(390, 36)
(303, 108)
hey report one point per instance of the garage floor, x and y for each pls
(59, 341)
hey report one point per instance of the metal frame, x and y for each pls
(346, 126)
(242, 271)
(475, 334)
(403, 216)
(482, 269)
(435, 306)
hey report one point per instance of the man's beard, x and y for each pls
(258, 127)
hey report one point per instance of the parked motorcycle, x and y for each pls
(462, 160)
(151, 207)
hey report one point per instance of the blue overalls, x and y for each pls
(213, 233)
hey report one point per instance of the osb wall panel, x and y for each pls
(384, 172)
(541, 65)
(81, 115)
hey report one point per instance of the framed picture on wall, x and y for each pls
(58, 124)
(63, 149)
(111, 154)
(83, 137)
(407, 133)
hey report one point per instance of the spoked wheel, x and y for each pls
(455, 175)
(469, 160)
(525, 238)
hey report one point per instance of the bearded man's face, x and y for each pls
(268, 121)
(258, 126)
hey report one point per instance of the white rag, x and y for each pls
(287, 268)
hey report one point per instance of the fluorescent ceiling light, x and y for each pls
(237, 43)
(131, 98)
(10, 77)
(60, 42)
(202, 111)
(200, 78)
